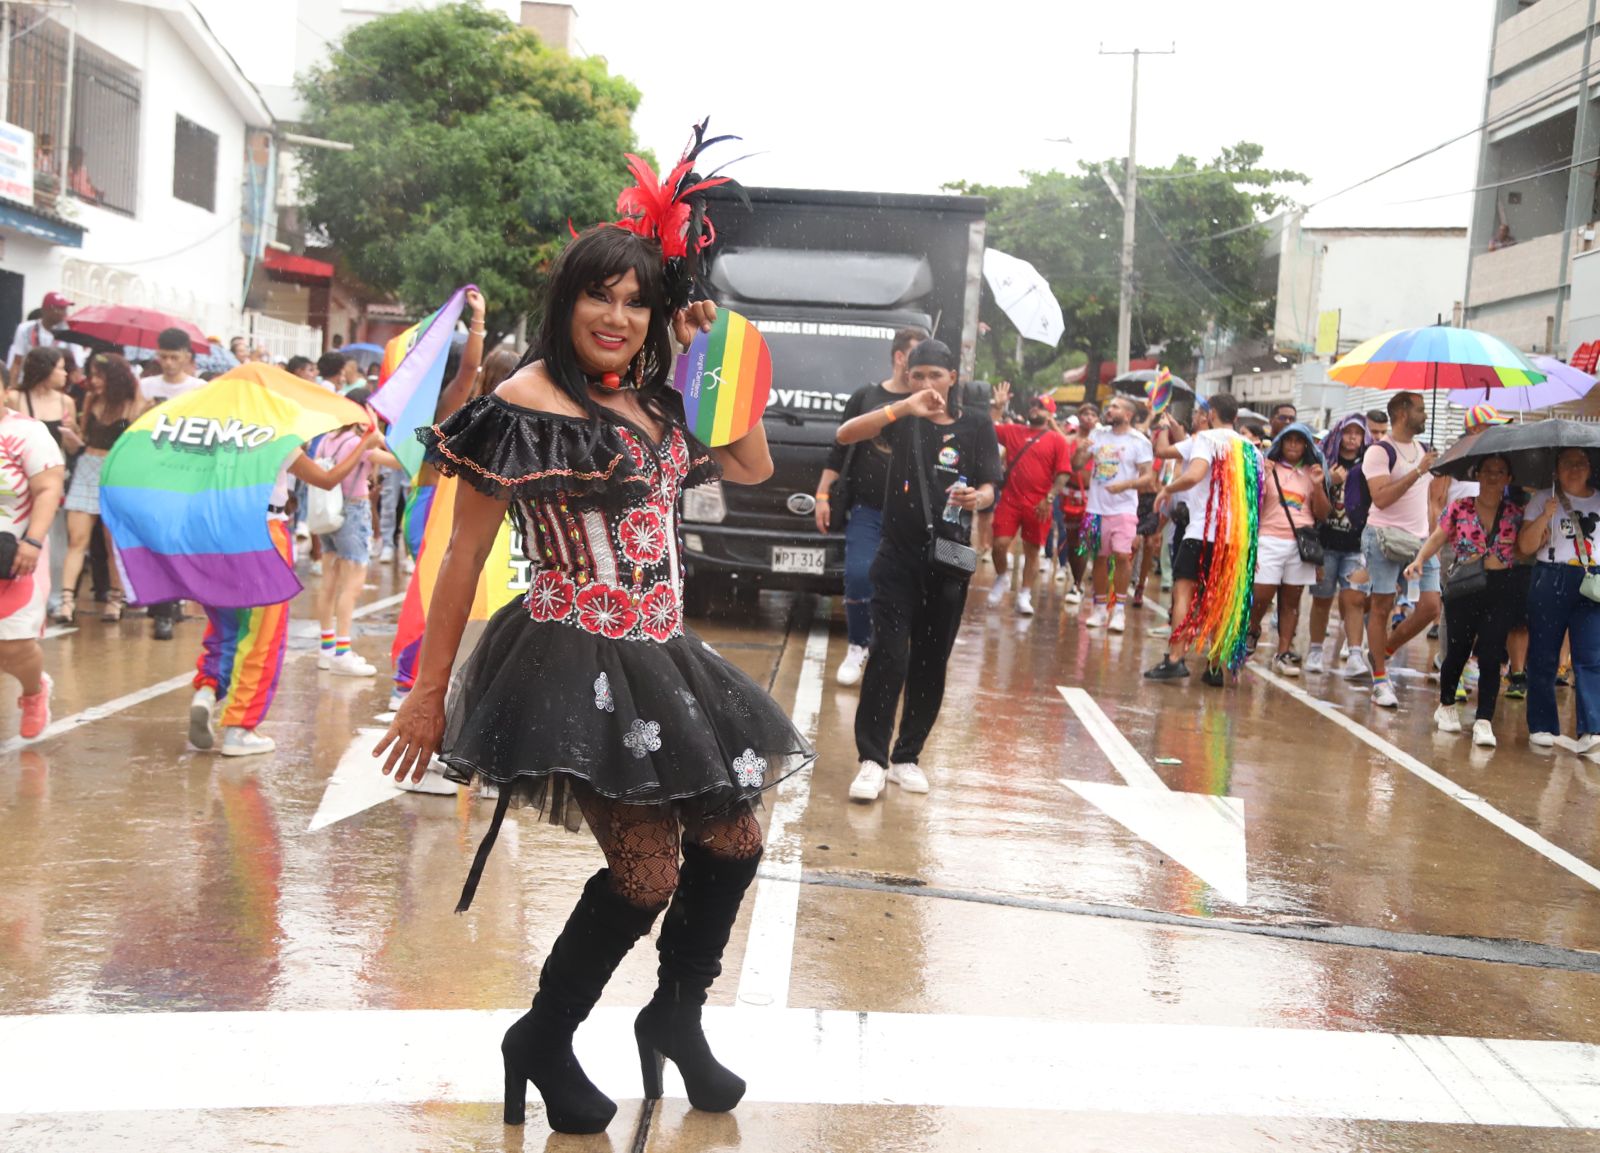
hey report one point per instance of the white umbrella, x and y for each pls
(1024, 296)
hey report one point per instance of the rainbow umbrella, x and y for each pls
(1435, 357)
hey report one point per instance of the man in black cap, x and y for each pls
(943, 468)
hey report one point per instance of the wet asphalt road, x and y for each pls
(1408, 957)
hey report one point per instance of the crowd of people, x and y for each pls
(1088, 506)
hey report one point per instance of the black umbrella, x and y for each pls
(1133, 382)
(1531, 448)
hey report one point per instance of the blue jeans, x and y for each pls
(861, 534)
(1556, 609)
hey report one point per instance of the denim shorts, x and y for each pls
(353, 540)
(1383, 574)
(1336, 570)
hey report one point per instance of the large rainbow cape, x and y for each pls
(185, 490)
(410, 377)
(504, 577)
(1219, 614)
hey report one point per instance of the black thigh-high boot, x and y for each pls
(538, 1048)
(693, 935)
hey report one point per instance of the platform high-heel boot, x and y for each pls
(538, 1048)
(693, 935)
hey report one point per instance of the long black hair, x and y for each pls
(602, 256)
(39, 366)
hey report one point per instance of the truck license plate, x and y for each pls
(799, 560)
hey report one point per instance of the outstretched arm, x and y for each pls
(460, 387)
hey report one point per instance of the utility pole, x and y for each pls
(1130, 208)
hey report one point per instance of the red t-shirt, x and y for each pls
(1035, 470)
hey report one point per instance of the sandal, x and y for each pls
(115, 602)
(67, 609)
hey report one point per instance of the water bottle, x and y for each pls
(954, 513)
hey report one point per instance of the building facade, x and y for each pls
(146, 137)
(1536, 208)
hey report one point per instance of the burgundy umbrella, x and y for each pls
(119, 325)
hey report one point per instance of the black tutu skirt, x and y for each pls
(540, 707)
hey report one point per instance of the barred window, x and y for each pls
(194, 165)
(103, 162)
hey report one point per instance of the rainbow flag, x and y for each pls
(185, 490)
(410, 377)
(505, 574)
(725, 379)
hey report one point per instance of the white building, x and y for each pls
(167, 140)
(1337, 287)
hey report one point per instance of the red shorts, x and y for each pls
(1013, 518)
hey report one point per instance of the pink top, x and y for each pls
(1410, 512)
(1465, 531)
(338, 445)
(1296, 482)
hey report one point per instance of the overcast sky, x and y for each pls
(895, 97)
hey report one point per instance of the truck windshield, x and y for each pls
(817, 365)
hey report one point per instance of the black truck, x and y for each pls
(827, 277)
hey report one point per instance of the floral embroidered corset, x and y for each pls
(596, 509)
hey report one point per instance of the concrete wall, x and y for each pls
(169, 255)
(1379, 279)
(1536, 29)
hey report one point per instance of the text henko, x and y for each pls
(209, 432)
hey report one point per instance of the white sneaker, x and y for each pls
(398, 698)
(1483, 734)
(301, 532)
(387, 555)
(1355, 666)
(1061, 576)
(237, 742)
(909, 777)
(407, 565)
(1119, 622)
(1446, 720)
(351, 665)
(201, 734)
(997, 592)
(1073, 597)
(324, 659)
(316, 568)
(1284, 667)
(850, 668)
(1024, 603)
(1383, 696)
(1096, 618)
(1314, 659)
(1542, 740)
(1587, 742)
(868, 785)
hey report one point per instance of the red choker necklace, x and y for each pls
(610, 381)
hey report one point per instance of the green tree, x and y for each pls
(474, 146)
(1198, 257)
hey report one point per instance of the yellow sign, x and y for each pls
(1328, 333)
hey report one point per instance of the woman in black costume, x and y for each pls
(589, 697)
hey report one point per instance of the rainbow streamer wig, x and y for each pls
(1219, 614)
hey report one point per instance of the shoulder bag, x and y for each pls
(1468, 578)
(1591, 575)
(946, 557)
(839, 496)
(1306, 540)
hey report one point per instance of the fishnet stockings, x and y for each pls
(640, 843)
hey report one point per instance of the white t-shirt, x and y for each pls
(280, 491)
(1208, 446)
(157, 389)
(1562, 548)
(1410, 512)
(30, 334)
(1113, 458)
(26, 449)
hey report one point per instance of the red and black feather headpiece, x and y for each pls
(672, 212)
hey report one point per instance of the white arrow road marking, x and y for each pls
(320, 1058)
(1205, 834)
(358, 783)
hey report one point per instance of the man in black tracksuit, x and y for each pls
(953, 458)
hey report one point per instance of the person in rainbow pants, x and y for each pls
(241, 655)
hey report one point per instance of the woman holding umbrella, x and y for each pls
(1483, 531)
(1559, 529)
